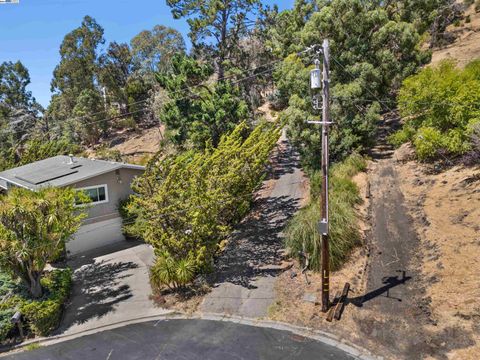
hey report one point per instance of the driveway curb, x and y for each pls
(317, 335)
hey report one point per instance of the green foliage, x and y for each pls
(18, 109)
(41, 315)
(185, 204)
(5, 324)
(105, 153)
(35, 150)
(172, 273)
(401, 136)
(14, 79)
(32, 346)
(372, 51)
(44, 315)
(7, 287)
(302, 232)
(441, 106)
(74, 84)
(34, 226)
(207, 112)
(153, 50)
(217, 25)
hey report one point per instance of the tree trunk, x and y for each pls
(222, 45)
(35, 287)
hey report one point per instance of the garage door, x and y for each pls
(96, 235)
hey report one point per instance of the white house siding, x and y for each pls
(98, 234)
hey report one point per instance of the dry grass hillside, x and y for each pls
(466, 46)
(445, 207)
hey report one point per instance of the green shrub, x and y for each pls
(402, 136)
(302, 231)
(42, 315)
(185, 204)
(5, 324)
(171, 272)
(39, 149)
(439, 105)
(351, 166)
(105, 153)
(428, 143)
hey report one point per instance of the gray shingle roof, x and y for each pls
(59, 171)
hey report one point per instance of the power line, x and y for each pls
(202, 84)
(354, 78)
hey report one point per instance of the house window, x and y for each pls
(97, 194)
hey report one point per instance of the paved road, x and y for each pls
(187, 340)
(243, 284)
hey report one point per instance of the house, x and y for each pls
(106, 182)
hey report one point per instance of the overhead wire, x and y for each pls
(188, 88)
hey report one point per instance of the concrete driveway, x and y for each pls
(111, 285)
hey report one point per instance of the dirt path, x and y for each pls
(392, 312)
(395, 315)
(248, 268)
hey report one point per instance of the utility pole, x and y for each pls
(324, 221)
(324, 84)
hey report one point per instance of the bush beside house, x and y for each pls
(34, 226)
(40, 316)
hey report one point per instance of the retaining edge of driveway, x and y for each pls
(314, 334)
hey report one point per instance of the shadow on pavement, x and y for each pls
(255, 249)
(97, 288)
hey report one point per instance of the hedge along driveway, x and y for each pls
(110, 285)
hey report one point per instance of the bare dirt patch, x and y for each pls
(446, 212)
(186, 302)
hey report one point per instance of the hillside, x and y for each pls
(467, 40)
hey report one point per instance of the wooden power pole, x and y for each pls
(324, 222)
(320, 80)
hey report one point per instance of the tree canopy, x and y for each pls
(372, 52)
(34, 227)
(195, 110)
(153, 50)
(216, 26)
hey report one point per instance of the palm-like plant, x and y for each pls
(34, 226)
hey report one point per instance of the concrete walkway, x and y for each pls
(246, 271)
(110, 285)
